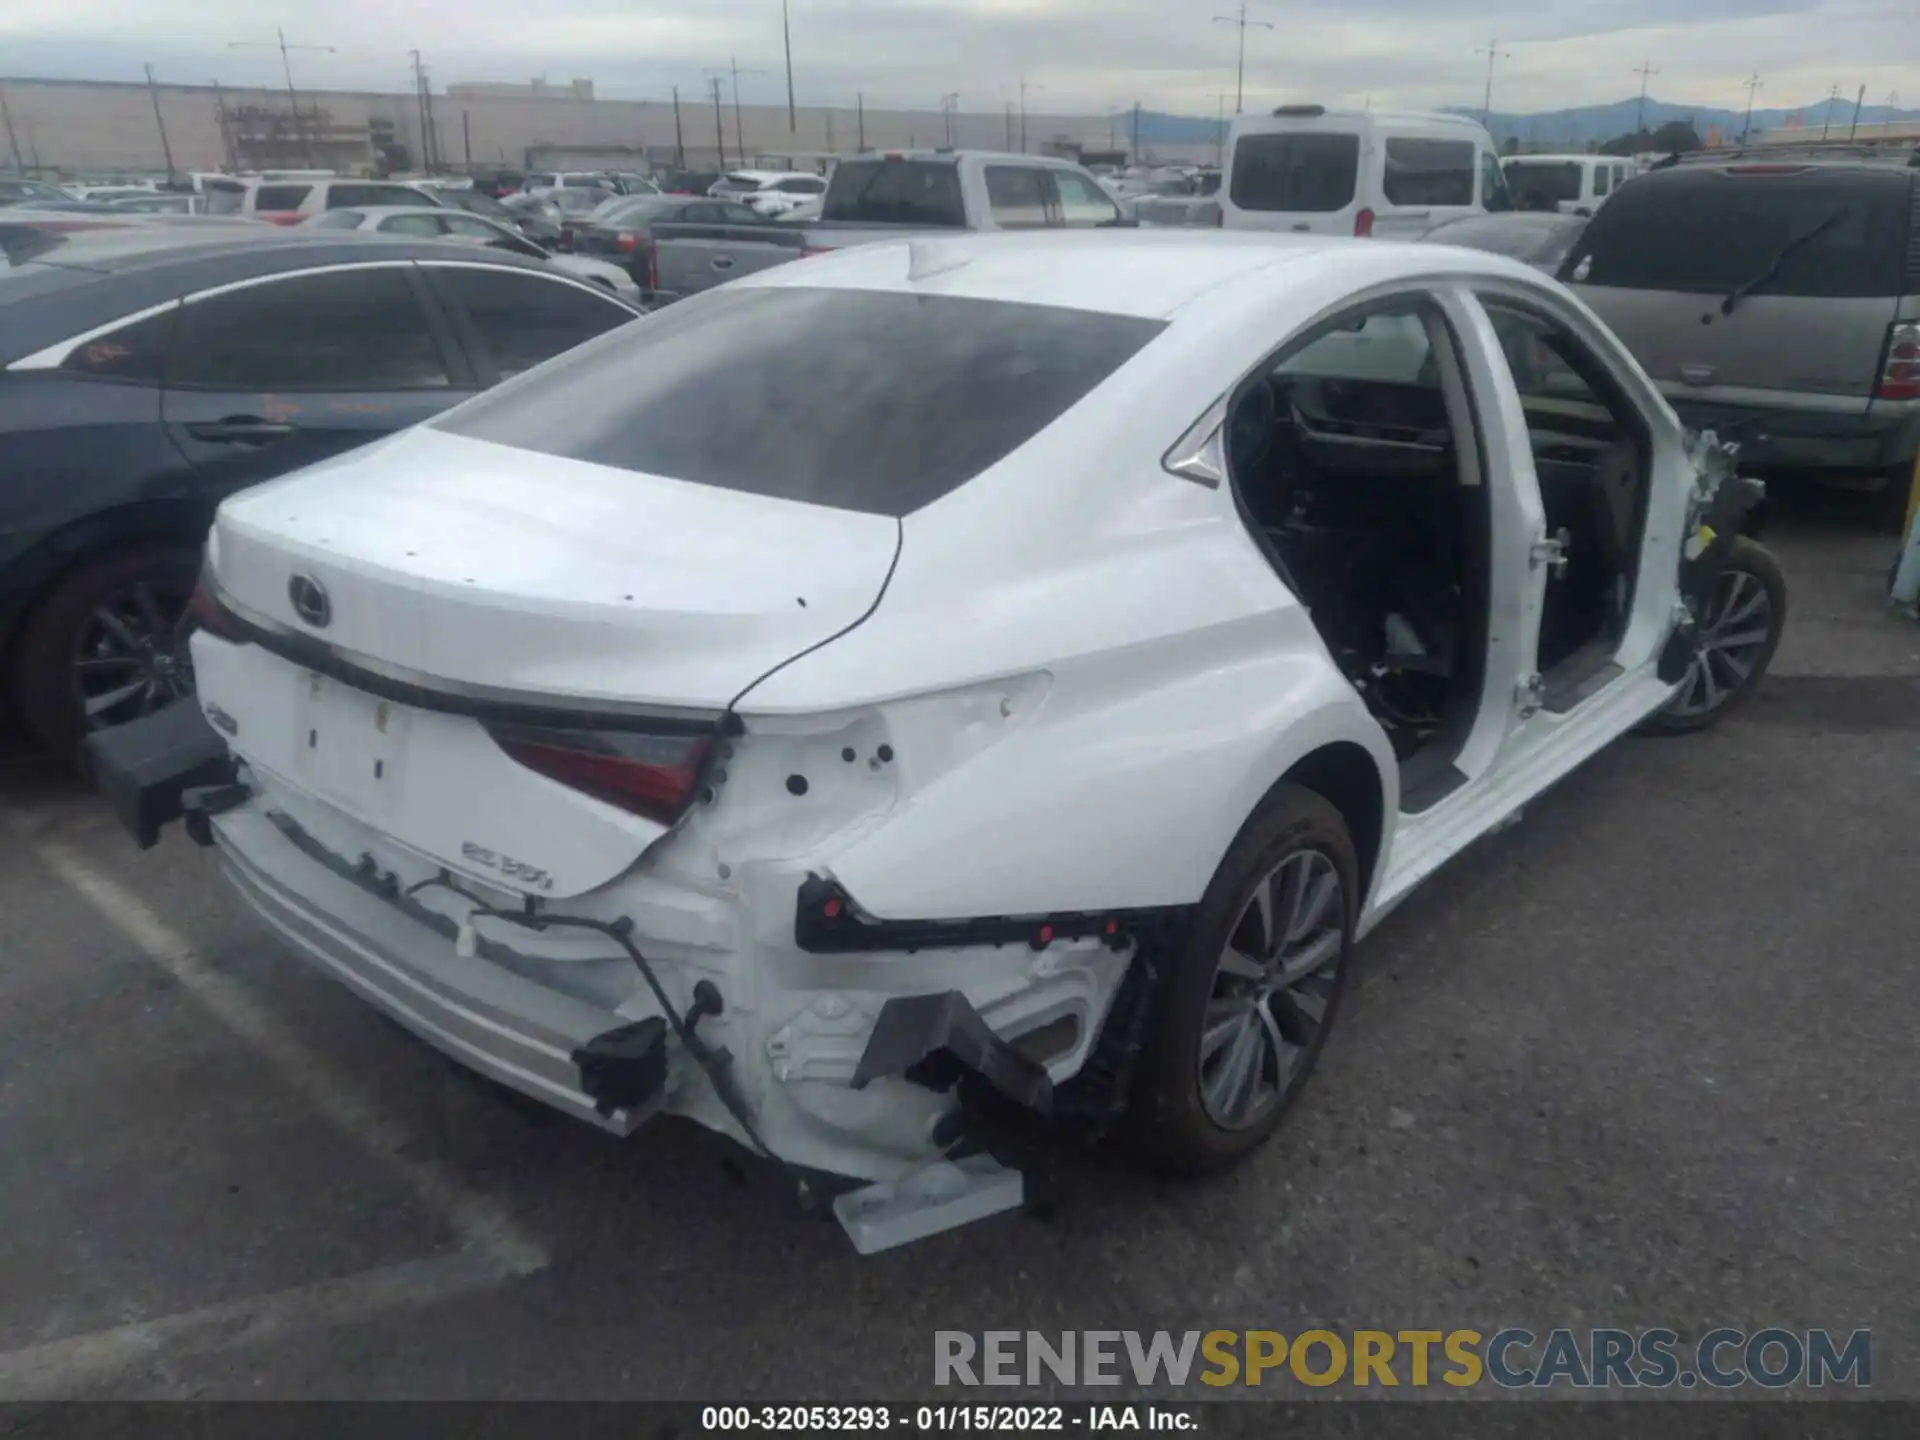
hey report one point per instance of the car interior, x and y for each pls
(1354, 460)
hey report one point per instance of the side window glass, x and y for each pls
(1389, 346)
(1082, 203)
(1493, 184)
(524, 318)
(135, 353)
(1602, 180)
(1567, 417)
(1428, 172)
(469, 227)
(353, 329)
(281, 197)
(1016, 197)
(413, 225)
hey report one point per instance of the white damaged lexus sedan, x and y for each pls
(945, 682)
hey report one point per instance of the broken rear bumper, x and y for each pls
(513, 1030)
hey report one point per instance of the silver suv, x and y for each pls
(1775, 301)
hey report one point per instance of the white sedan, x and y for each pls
(460, 225)
(947, 678)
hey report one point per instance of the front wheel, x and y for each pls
(1738, 635)
(1253, 990)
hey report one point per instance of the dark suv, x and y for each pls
(1776, 300)
(147, 373)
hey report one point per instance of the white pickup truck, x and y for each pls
(884, 195)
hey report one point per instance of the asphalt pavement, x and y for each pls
(1646, 1058)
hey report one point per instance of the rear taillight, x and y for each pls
(1900, 377)
(648, 774)
(806, 250)
(626, 241)
(206, 612)
(1363, 223)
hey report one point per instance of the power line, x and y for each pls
(1240, 71)
(1492, 52)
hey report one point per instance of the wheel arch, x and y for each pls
(176, 520)
(1345, 775)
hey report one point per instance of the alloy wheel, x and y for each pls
(131, 656)
(1272, 987)
(1738, 627)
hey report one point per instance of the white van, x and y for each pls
(1571, 184)
(1357, 172)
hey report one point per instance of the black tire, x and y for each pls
(1755, 561)
(42, 678)
(1173, 1126)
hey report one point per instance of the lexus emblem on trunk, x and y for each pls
(310, 601)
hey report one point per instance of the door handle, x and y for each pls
(723, 262)
(240, 430)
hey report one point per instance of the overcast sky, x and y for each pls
(1084, 56)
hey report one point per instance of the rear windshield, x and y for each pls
(896, 192)
(1714, 233)
(1533, 185)
(872, 401)
(1302, 171)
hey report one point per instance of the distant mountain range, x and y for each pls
(1578, 126)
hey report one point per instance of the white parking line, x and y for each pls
(58, 1369)
(496, 1247)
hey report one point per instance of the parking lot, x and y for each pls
(1647, 1057)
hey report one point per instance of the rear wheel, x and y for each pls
(1738, 635)
(1254, 989)
(106, 645)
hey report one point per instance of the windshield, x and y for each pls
(873, 401)
(1538, 184)
(1712, 233)
(896, 192)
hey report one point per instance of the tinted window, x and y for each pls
(1602, 179)
(901, 192)
(1542, 186)
(412, 225)
(1493, 184)
(805, 186)
(133, 352)
(1082, 202)
(1712, 234)
(1428, 172)
(1310, 173)
(280, 197)
(1017, 196)
(863, 400)
(339, 195)
(523, 319)
(357, 329)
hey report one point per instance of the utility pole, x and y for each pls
(286, 66)
(420, 96)
(679, 140)
(13, 143)
(226, 127)
(1113, 116)
(1009, 124)
(166, 150)
(1024, 87)
(826, 115)
(466, 137)
(1220, 132)
(949, 106)
(1754, 82)
(436, 157)
(1136, 132)
(860, 118)
(1493, 52)
(739, 134)
(1858, 101)
(786, 34)
(1240, 70)
(1640, 115)
(719, 127)
(1832, 95)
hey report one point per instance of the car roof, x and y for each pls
(1562, 159)
(1287, 117)
(385, 210)
(1150, 273)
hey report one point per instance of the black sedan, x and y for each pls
(623, 233)
(149, 371)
